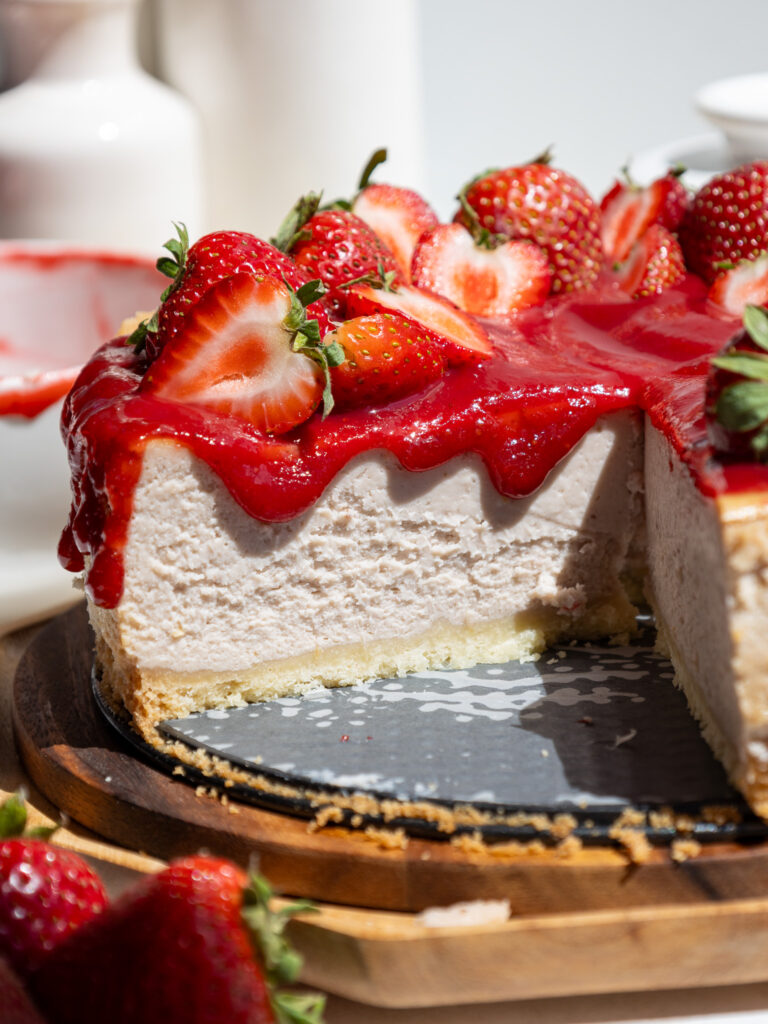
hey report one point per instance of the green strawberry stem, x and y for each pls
(305, 335)
(382, 279)
(376, 158)
(280, 961)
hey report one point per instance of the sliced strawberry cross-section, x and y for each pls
(461, 338)
(234, 354)
(399, 216)
(629, 210)
(483, 281)
(742, 285)
(655, 262)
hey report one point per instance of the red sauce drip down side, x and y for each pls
(556, 369)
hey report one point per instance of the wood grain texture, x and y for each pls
(393, 960)
(83, 767)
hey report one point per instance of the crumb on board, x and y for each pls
(626, 737)
(634, 843)
(684, 849)
(472, 912)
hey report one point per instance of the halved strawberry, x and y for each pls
(629, 210)
(196, 268)
(655, 262)
(399, 216)
(387, 357)
(544, 205)
(486, 282)
(462, 339)
(742, 285)
(238, 352)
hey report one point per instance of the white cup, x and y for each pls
(58, 303)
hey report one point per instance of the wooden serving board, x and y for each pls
(588, 922)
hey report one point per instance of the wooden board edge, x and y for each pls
(405, 965)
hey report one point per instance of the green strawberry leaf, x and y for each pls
(311, 292)
(305, 335)
(291, 1008)
(13, 817)
(172, 266)
(745, 363)
(756, 323)
(293, 230)
(138, 338)
(280, 961)
(760, 443)
(13, 821)
(743, 406)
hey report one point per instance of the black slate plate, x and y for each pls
(586, 730)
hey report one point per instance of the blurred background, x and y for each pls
(294, 94)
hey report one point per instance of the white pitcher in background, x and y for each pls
(294, 96)
(92, 148)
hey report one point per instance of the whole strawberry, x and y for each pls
(727, 220)
(737, 391)
(15, 1005)
(178, 949)
(46, 894)
(197, 268)
(334, 246)
(549, 207)
(386, 358)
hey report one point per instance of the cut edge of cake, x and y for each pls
(460, 545)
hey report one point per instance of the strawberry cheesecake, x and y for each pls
(380, 444)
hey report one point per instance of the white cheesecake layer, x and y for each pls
(390, 571)
(708, 585)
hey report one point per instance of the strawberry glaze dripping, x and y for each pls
(556, 369)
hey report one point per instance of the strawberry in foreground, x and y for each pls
(248, 349)
(484, 281)
(399, 216)
(741, 285)
(195, 269)
(544, 205)
(15, 1005)
(655, 262)
(460, 339)
(195, 944)
(386, 358)
(46, 893)
(737, 391)
(628, 211)
(727, 220)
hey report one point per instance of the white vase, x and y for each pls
(295, 95)
(92, 148)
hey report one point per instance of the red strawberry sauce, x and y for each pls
(557, 368)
